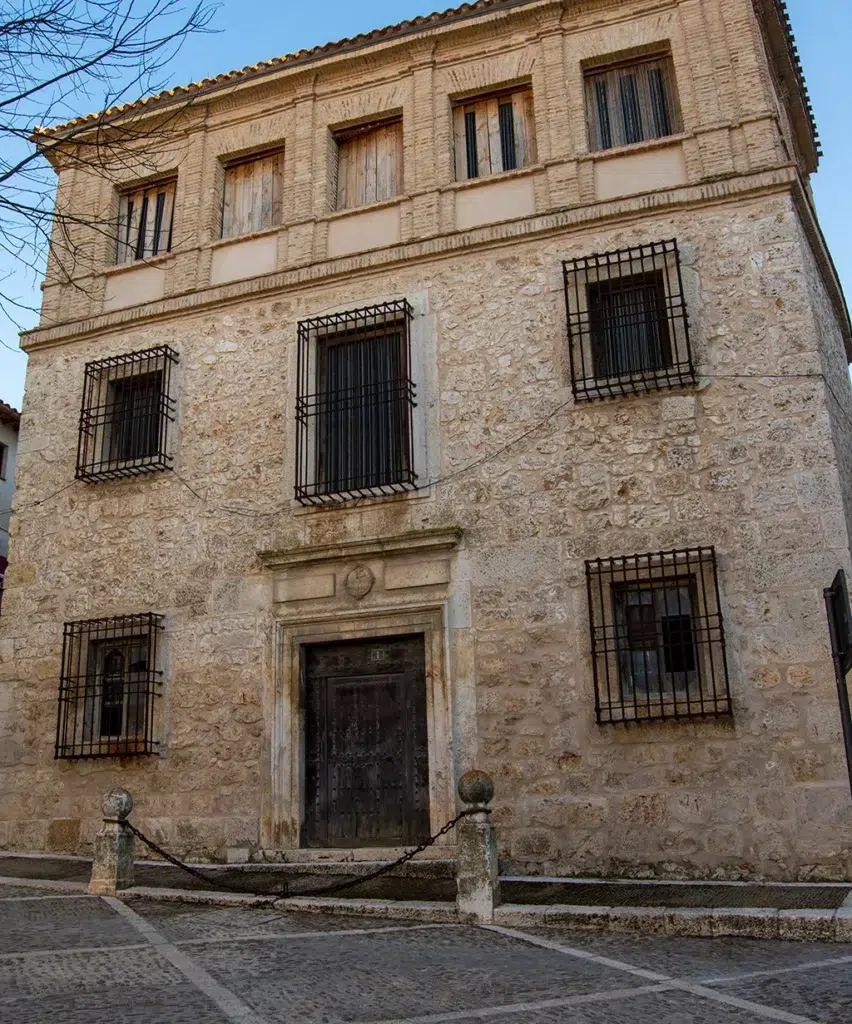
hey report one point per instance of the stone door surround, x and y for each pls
(378, 587)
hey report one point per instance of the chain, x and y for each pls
(324, 890)
(404, 859)
(185, 867)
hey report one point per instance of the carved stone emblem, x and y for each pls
(359, 581)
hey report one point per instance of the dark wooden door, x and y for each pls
(366, 762)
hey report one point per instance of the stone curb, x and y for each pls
(744, 922)
(46, 884)
(213, 898)
(425, 911)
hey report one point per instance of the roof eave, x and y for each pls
(248, 75)
(10, 416)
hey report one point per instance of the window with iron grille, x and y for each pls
(126, 415)
(354, 405)
(631, 102)
(658, 641)
(494, 133)
(145, 219)
(628, 325)
(109, 687)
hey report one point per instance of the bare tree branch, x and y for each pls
(59, 60)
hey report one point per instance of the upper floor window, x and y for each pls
(145, 222)
(109, 684)
(494, 133)
(631, 102)
(354, 405)
(627, 321)
(4, 457)
(126, 413)
(369, 163)
(253, 195)
(658, 640)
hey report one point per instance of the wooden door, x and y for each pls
(366, 762)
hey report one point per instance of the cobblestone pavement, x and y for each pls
(91, 960)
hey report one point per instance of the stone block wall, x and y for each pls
(746, 461)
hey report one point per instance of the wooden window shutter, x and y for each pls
(145, 222)
(253, 195)
(369, 165)
(632, 102)
(494, 134)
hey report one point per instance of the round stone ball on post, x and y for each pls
(476, 789)
(117, 805)
(114, 848)
(477, 877)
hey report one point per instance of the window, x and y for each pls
(252, 196)
(631, 102)
(354, 405)
(628, 326)
(109, 685)
(145, 222)
(126, 415)
(4, 458)
(369, 164)
(658, 641)
(494, 134)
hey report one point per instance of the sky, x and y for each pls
(248, 31)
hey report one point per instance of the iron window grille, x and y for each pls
(126, 414)
(354, 405)
(632, 102)
(109, 687)
(628, 325)
(658, 640)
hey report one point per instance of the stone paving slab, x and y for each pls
(701, 959)
(824, 994)
(392, 975)
(86, 970)
(87, 960)
(182, 922)
(659, 1008)
(60, 923)
(161, 1004)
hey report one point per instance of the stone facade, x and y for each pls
(521, 483)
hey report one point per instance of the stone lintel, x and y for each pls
(418, 541)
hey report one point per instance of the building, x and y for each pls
(10, 421)
(472, 392)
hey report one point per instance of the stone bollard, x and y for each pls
(477, 879)
(114, 848)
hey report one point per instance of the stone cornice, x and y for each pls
(409, 543)
(576, 217)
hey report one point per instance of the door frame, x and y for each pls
(408, 680)
(282, 822)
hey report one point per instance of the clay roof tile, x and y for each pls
(421, 22)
